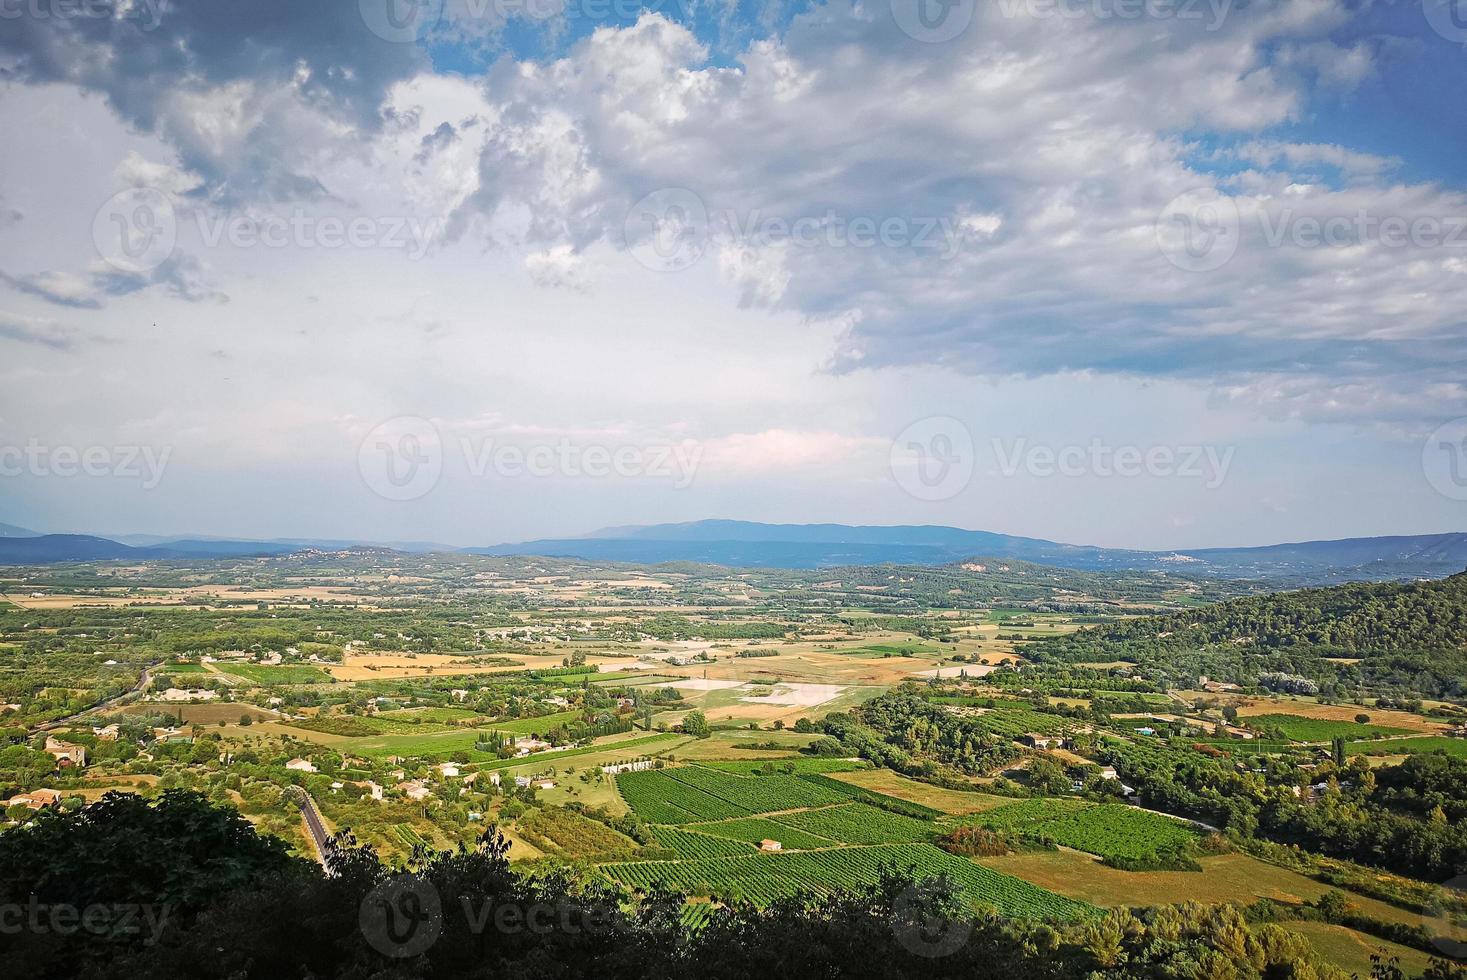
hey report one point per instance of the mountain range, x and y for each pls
(755, 545)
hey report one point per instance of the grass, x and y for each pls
(1302, 729)
(892, 783)
(276, 675)
(1225, 878)
(181, 668)
(1350, 950)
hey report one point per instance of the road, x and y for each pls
(142, 685)
(317, 828)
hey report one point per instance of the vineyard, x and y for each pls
(858, 823)
(1117, 833)
(690, 794)
(762, 878)
(693, 846)
(752, 830)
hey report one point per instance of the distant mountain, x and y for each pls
(750, 544)
(11, 531)
(46, 548)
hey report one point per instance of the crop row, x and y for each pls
(857, 823)
(658, 798)
(754, 830)
(692, 846)
(762, 879)
(758, 794)
(1109, 830)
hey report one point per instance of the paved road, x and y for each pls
(315, 825)
(138, 688)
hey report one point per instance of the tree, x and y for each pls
(1363, 718)
(695, 723)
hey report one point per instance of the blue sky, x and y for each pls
(1153, 277)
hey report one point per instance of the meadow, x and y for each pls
(1302, 729)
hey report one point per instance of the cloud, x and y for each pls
(251, 95)
(1023, 171)
(180, 276)
(31, 330)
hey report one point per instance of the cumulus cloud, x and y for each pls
(993, 204)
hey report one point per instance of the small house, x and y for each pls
(770, 845)
(66, 754)
(301, 765)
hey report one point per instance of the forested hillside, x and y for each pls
(1353, 619)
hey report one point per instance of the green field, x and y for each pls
(181, 668)
(1302, 729)
(1111, 830)
(753, 830)
(693, 846)
(1409, 746)
(276, 675)
(763, 878)
(797, 765)
(859, 823)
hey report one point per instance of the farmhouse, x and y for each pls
(1036, 741)
(301, 765)
(65, 753)
(415, 790)
(107, 733)
(36, 799)
(448, 770)
(770, 845)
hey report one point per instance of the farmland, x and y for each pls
(1302, 729)
(765, 877)
(1113, 832)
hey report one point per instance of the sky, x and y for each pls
(1162, 274)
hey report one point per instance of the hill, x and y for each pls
(1410, 636)
(751, 544)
